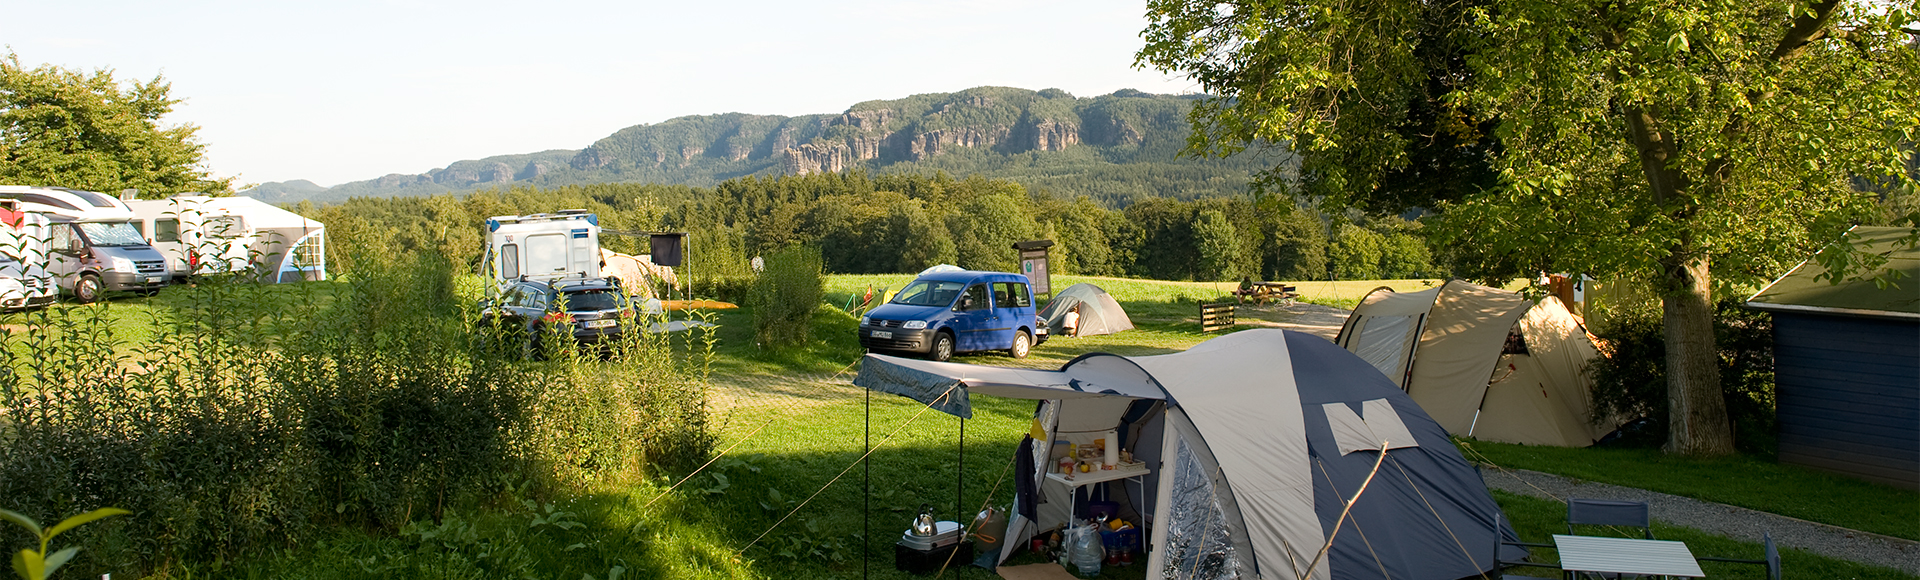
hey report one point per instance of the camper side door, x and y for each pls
(67, 253)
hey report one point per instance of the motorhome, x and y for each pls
(24, 281)
(93, 247)
(542, 247)
(211, 235)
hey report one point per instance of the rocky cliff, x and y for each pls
(979, 130)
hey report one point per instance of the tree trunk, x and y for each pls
(1697, 411)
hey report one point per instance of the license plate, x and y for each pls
(601, 323)
(883, 334)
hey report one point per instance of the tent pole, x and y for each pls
(960, 479)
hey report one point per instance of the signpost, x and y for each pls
(1033, 263)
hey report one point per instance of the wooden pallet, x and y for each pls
(1216, 317)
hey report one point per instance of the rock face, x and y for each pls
(1054, 136)
(815, 158)
(702, 150)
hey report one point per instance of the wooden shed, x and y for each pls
(1847, 365)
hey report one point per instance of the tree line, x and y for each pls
(865, 224)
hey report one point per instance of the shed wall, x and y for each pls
(1848, 393)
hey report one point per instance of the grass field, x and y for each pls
(787, 499)
(1763, 484)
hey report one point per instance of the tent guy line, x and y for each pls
(843, 472)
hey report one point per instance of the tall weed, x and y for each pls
(231, 415)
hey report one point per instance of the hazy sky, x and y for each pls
(346, 90)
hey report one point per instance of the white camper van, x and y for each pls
(542, 247)
(94, 247)
(212, 235)
(24, 281)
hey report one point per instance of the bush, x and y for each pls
(1631, 381)
(235, 416)
(784, 297)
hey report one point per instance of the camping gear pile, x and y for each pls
(1254, 444)
(1099, 313)
(1483, 362)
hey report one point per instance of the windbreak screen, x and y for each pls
(1198, 544)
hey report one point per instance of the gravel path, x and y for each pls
(1730, 521)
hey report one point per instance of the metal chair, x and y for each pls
(1600, 512)
(1501, 545)
(1772, 560)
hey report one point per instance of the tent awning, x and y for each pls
(933, 383)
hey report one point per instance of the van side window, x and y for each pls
(509, 261)
(166, 230)
(976, 298)
(1011, 295)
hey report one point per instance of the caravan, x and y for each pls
(212, 235)
(24, 281)
(93, 246)
(542, 247)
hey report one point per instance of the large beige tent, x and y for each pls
(1482, 361)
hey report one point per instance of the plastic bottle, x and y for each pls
(1088, 552)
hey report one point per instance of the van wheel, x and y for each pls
(1022, 344)
(942, 347)
(86, 290)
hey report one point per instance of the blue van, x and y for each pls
(942, 313)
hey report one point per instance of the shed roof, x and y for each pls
(1801, 291)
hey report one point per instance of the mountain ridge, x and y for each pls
(1115, 148)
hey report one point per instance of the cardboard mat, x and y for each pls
(1047, 571)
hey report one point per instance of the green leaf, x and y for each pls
(22, 521)
(59, 559)
(29, 566)
(76, 521)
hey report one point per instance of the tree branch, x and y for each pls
(1807, 28)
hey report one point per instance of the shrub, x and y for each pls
(785, 296)
(1630, 381)
(236, 416)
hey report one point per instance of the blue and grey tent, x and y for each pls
(1253, 443)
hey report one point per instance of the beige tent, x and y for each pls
(1482, 361)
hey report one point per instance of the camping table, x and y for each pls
(1092, 477)
(1626, 556)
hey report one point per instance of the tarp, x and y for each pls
(1099, 313)
(1250, 477)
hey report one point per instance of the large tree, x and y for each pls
(65, 128)
(1694, 145)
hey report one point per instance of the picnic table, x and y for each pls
(1261, 292)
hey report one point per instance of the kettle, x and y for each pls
(923, 524)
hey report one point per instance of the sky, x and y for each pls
(347, 90)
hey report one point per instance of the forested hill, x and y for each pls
(1113, 148)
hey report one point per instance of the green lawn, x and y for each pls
(1536, 520)
(1742, 480)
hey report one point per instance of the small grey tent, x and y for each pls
(1482, 361)
(1099, 314)
(1250, 445)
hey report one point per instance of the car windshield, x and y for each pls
(114, 234)
(593, 300)
(928, 293)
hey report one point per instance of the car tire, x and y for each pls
(87, 289)
(942, 348)
(1022, 344)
